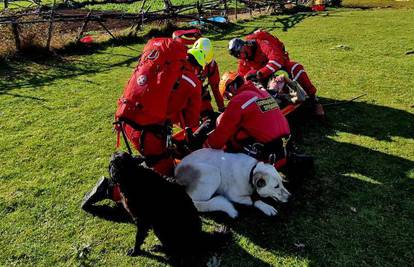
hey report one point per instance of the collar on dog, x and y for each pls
(251, 174)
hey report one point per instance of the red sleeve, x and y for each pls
(228, 126)
(214, 81)
(274, 55)
(243, 68)
(192, 109)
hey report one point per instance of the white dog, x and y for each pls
(213, 177)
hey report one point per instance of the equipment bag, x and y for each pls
(145, 97)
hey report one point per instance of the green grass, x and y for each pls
(379, 3)
(56, 139)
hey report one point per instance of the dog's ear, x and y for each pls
(260, 183)
(259, 177)
(258, 180)
(119, 164)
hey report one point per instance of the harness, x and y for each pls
(159, 130)
(271, 152)
(251, 174)
(254, 196)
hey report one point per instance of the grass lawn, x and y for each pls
(378, 3)
(56, 138)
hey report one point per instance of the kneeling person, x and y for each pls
(252, 122)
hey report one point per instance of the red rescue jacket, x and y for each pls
(250, 113)
(269, 56)
(185, 99)
(211, 72)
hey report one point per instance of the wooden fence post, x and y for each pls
(235, 9)
(52, 17)
(142, 6)
(15, 30)
(82, 29)
(107, 30)
(199, 10)
(168, 6)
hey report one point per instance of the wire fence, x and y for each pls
(52, 17)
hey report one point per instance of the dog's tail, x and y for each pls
(217, 239)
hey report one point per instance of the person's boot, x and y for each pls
(102, 190)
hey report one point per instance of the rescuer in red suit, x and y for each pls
(160, 88)
(252, 122)
(185, 101)
(183, 107)
(210, 75)
(266, 54)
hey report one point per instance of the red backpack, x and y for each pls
(145, 97)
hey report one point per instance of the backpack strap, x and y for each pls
(120, 128)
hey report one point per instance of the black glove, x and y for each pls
(253, 76)
(197, 138)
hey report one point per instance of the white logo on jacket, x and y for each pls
(141, 80)
(214, 179)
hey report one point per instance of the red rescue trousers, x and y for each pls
(298, 73)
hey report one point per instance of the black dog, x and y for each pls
(156, 202)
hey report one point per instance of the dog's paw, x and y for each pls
(233, 213)
(265, 208)
(132, 252)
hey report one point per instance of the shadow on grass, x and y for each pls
(118, 214)
(110, 213)
(247, 26)
(292, 20)
(38, 69)
(379, 122)
(21, 75)
(353, 211)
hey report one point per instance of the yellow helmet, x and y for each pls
(198, 55)
(281, 72)
(206, 46)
